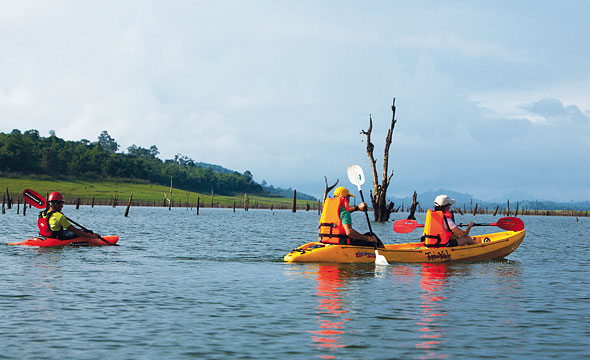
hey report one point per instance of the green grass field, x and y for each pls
(104, 192)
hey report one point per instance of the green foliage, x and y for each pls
(106, 141)
(30, 154)
(103, 191)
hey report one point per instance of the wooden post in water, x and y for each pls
(171, 198)
(475, 209)
(3, 206)
(93, 201)
(246, 202)
(516, 211)
(198, 204)
(294, 203)
(129, 204)
(18, 206)
(508, 207)
(24, 208)
(211, 195)
(77, 203)
(8, 200)
(496, 211)
(307, 207)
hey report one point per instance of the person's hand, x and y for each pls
(362, 206)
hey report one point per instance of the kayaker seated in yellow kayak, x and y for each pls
(53, 224)
(336, 222)
(439, 228)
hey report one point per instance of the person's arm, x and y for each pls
(353, 234)
(360, 207)
(458, 232)
(81, 233)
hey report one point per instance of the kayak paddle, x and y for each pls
(37, 200)
(33, 198)
(403, 226)
(357, 177)
(510, 223)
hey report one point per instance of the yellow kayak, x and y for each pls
(488, 247)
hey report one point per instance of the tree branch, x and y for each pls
(329, 188)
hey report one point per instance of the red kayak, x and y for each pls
(80, 241)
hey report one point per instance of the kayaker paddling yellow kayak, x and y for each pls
(442, 241)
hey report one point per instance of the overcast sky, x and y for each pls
(493, 97)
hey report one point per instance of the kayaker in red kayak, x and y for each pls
(336, 222)
(439, 228)
(52, 223)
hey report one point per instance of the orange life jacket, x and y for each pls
(331, 230)
(435, 233)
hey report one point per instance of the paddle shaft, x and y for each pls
(89, 231)
(506, 223)
(366, 213)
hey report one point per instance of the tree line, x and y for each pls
(28, 153)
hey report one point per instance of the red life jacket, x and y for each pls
(331, 230)
(43, 224)
(435, 233)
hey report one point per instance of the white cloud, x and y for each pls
(20, 95)
(460, 46)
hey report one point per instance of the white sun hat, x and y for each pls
(443, 200)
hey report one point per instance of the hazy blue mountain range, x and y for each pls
(426, 200)
(268, 188)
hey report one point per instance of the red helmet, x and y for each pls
(56, 196)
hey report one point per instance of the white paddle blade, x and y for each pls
(380, 259)
(356, 175)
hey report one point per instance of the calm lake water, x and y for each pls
(214, 286)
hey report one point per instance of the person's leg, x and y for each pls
(68, 235)
(466, 240)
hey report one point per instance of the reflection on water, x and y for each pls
(331, 315)
(434, 279)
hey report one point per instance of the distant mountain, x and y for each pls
(215, 168)
(426, 200)
(287, 193)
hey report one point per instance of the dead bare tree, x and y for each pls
(328, 188)
(414, 206)
(381, 208)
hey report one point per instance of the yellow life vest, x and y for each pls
(435, 234)
(331, 230)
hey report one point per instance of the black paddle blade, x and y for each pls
(33, 198)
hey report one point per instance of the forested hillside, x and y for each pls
(29, 153)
